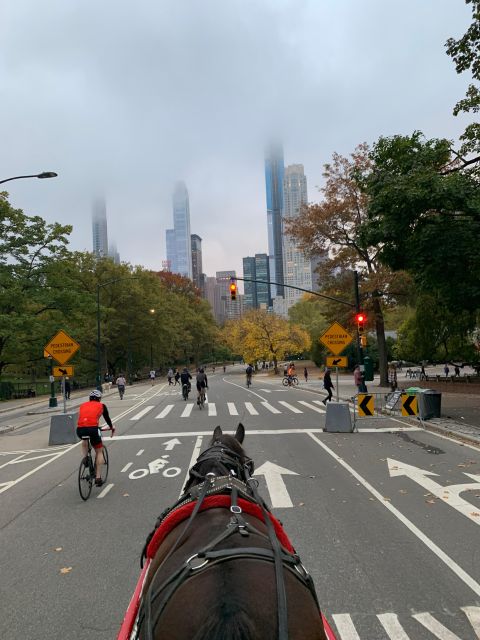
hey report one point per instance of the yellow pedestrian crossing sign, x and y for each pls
(366, 404)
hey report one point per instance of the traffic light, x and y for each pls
(361, 318)
(363, 341)
(233, 290)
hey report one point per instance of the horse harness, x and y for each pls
(209, 555)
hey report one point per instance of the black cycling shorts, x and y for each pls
(200, 386)
(93, 433)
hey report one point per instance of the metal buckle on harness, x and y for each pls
(190, 562)
(235, 508)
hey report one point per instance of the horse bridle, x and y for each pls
(238, 481)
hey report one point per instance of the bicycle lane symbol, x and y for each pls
(156, 466)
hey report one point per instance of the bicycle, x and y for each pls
(291, 381)
(201, 398)
(249, 381)
(86, 471)
(185, 391)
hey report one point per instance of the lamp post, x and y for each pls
(152, 311)
(45, 174)
(99, 285)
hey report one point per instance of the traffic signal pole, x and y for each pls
(357, 308)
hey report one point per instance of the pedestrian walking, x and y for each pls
(328, 386)
(457, 371)
(224, 368)
(359, 380)
(177, 376)
(121, 382)
(170, 376)
(392, 377)
(67, 388)
(446, 370)
(423, 375)
(305, 374)
(152, 376)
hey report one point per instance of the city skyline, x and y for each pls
(211, 108)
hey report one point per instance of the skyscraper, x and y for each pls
(297, 266)
(113, 253)
(196, 243)
(179, 249)
(274, 174)
(99, 228)
(257, 294)
(250, 288)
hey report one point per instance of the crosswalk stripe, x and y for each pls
(164, 412)
(392, 626)
(345, 627)
(268, 406)
(141, 413)
(187, 411)
(212, 409)
(232, 409)
(251, 409)
(311, 406)
(290, 406)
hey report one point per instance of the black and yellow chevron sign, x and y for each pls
(366, 404)
(409, 405)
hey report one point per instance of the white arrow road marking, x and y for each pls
(251, 409)
(392, 626)
(212, 409)
(271, 408)
(187, 411)
(275, 485)
(171, 443)
(141, 413)
(164, 412)
(449, 494)
(290, 406)
(345, 627)
(311, 406)
(232, 408)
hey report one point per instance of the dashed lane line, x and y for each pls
(126, 467)
(105, 491)
(139, 453)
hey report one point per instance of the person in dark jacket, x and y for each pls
(328, 386)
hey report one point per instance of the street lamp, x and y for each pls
(99, 285)
(45, 174)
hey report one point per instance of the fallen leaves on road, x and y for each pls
(58, 548)
(301, 504)
(66, 570)
(430, 501)
(126, 495)
(402, 491)
(475, 514)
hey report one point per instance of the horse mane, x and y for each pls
(228, 624)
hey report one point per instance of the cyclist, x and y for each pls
(121, 382)
(249, 372)
(185, 378)
(202, 383)
(89, 414)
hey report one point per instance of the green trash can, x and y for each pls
(368, 371)
(429, 402)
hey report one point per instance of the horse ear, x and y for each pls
(218, 432)
(240, 432)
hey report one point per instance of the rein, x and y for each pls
(235, 466)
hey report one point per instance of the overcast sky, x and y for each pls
(125, 98)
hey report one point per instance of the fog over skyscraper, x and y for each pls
(99, 228)
(274, 173)
(178, 241)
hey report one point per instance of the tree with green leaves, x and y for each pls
(309, 313)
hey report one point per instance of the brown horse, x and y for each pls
(219, 565)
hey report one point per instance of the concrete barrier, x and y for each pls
(338, 418)
(63, 429)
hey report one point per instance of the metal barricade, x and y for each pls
(382, 406)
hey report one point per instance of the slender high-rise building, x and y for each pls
(196, 243)
(249, 288)
(297, 266)
(179, 248)
(256, 294)
(274, 174)
(113, 253)
(99, 228)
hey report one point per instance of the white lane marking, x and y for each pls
(276, 487)
(251, 409)
(266, 390)
(141, 413)
(212, 409)
(193, 459)
(271, 408)
(437, 628)
(311, 406)
(164, 412)
(139, 453)
(232, 408)
(451, 564)
(473, 615)
(290, 406)
(345, 627)
(126, 467)
(319, 402)
(244, 389)
(392, 626)
(187, 411)
(21, 459)
(12, 461)
(50, 449)
(105, 491)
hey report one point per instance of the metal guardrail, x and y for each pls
(384, 405)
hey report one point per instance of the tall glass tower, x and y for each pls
(178, 240)
(274, 175)
(99, 228)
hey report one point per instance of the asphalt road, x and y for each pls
(393, 546)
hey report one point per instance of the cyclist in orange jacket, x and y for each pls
(88, 428)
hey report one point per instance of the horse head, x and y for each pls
(224, 456)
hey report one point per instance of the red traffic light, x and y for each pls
(360, 318)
